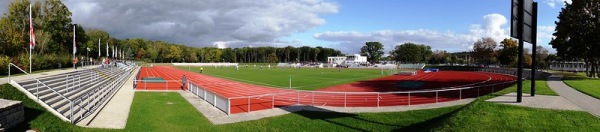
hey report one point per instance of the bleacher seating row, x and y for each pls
(78, 94)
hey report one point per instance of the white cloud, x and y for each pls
(544, 35)
(351, 41)
(546, 28)
(552, 3)
(202, 22)
(492, 27)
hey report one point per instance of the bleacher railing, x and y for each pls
(38, 82)
(78, 104)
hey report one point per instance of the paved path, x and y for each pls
(217, 116)
(588, 103)
(4, 80)
(537, 101)
(115, 113)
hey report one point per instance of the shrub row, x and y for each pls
(39, 62)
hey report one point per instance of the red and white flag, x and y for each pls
(31, 34)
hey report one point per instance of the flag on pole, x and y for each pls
(31, 33)
(74, 46)
(31, 37)
(99, 50)
(107, 55)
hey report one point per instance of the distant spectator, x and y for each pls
(183, 82)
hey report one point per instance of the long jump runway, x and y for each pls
(437, 87)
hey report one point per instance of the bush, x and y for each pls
(39, 62)
(22, 61)
(4, 60)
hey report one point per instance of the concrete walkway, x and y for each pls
(588, 103)
(114, 114)
(537, 101)
(217, 116)
(22, 76)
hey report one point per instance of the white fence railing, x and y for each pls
(340, 99)
(513, 72)
(220, 102)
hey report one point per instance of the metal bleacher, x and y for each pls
(76, 95)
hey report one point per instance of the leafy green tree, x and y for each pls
(315, 54)
(411, 53)
(57, 22)
(508, 54)
(483, 51)
(576, 34)
(541, 55)
(373, 51)
(93, 36)
(174, 53)
(14, 26)
(229, 55)
(439, 57)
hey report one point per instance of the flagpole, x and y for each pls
(74, 48)
(107, 55)
(99, 50)
(30, 47)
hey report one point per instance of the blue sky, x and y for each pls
(437, 15)
(452, 25)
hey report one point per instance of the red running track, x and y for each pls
(451, 85)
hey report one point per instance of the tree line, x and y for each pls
(577, 34)
(54, 41)
(53, 29)
(486, 52)
(159, 51)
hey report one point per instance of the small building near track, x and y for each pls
(567, 66)
(351, 59)
(336, 59)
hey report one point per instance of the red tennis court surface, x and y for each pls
(241, 97)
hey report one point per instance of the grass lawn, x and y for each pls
(304, 78)
(36, 117)
(157, 111)
(580, 82)
(487, 116)
(541, 88)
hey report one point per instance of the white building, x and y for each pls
(567, 66)
(356, 58)
(336, 60)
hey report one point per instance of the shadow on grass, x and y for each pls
(331, 116)
(432, 123)
(30, 115)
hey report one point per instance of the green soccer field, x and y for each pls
(303, 78)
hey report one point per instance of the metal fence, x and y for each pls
(286, 97)
(157, 85)
(513, 72)
(88, 102)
